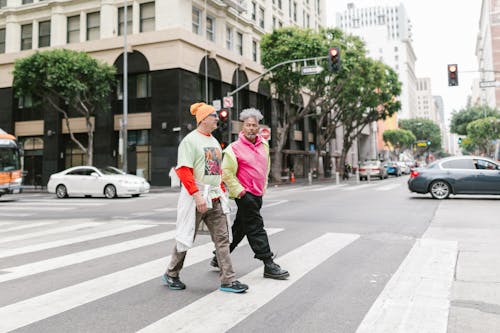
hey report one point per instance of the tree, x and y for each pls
(460, 119)
(482, 132)
(424, 130)
(399, 138)
(66, 81)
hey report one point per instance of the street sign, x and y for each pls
(422, 143)
(488, 84)
(217, 104)
(265, 133)
(227, 102)
(311, 70)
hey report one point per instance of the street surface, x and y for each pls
(367, 257)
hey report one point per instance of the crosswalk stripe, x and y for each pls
(66, 241)
(274, 203)
(360, 187)
(40, 307)
(53, 204)
(50, 231)
(218, 312)
(17, 214)
(41, 208)
(388, 187)
(416, 299)
(166, 209)
(328, 188)
(25, 226)
(12, 273)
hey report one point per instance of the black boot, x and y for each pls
(273, 271)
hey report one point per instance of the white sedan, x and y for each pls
(90, 181)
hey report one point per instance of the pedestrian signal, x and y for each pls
(334, 59)
(453, 75)
(459, 141)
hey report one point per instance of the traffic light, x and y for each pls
(459, 141)
(223, 116)
(334, 59)
(453, 75)
(222, 132)
(429, 142)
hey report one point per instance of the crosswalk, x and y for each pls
(36, 258)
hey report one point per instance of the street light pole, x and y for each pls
(125, 92)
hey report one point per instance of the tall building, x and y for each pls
(179, 52)
(386, 30)
(425, 101)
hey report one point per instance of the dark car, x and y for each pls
(456, 175)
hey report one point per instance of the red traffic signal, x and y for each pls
(223, 115)
(453, 75)
(334, 59)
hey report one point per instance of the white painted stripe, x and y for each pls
(37, 308)
(41, 208)
(6, 223)
(328, 188)
(359, 187)
(54, 203)
(219, 311)
(416, 299)
(25, 226)
(66, 241)
(166, 209)
(388, 187)
(16, 214)
(79, 257)
(274, 204)
(50, 231)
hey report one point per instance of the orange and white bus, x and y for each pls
(10, 165)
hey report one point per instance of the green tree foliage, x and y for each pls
(66, 81)
(460, 119)
(482, 132)
(399, 138)
(423, 129)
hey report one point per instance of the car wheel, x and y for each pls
(61, 191)
(110, 191)
(440, 189)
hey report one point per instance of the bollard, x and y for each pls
(357, 176)
(337, 178)
(310, 177)
(368, 175)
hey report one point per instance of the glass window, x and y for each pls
(26, 36)
(73, 33)
(239, 43)
(210, 28)
(121, 17)
(261, 17)
(254, 50)
(280, 5)
(196, 20)
(147, 17)
(27, 1)
(254, 11)
(3, 3)
(44, 34)
(143, 85)
(458, 164)
(485, 165)
(2, 40)
(25, 102)
(229, 38)
(93, 26)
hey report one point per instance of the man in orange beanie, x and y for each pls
(199, 169)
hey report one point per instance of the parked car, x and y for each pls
(393, 168)
(372, 168)
(456, 175)
(109, 182)
(405, 168)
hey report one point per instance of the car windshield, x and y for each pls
(369, 163)
(111, 171)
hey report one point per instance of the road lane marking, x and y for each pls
(31, 310)
(359, 187)
(66, 228)
(219, 312)
(416, 299)
(12, 273)
(72, 240)
(327, 188)
(388, 187)
(25, 226)
(274, 203)
(166, 209)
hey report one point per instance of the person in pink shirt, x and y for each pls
(245, 170)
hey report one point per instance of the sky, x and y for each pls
(444, 32)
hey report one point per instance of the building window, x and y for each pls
(280, 4)
(139, 86)
(44, 34)
(261, 17)
(239, 43)
(295, 11)
(26, 36)
(317, 6)
(274, 22)
(254, 11)
(308, 21)
(25, 101)
(254, 51)
(2, 40)
(196, 18)
(73, 33)
(147, 17)
(210, 28)
(121, 17)
(93, 26)
(27, 2)
(229, 38)
(3, 3)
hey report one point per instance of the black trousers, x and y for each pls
(249, 223)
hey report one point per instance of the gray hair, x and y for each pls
(251, 113)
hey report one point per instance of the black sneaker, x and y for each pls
(173, 283)
(273, 271)
(214, 262)
(234, 287)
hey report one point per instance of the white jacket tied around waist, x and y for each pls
(186, 216)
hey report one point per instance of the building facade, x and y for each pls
(179, 52)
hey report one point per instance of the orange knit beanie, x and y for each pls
(201, 111)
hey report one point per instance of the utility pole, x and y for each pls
(125, 92)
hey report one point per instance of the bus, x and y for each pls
(10, 165)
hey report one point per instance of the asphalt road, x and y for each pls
(362, 257)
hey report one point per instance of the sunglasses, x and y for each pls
(214, 115)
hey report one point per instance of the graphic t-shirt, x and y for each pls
(204, 154)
